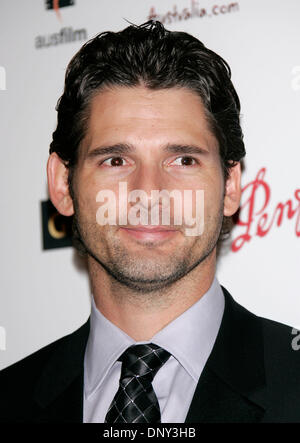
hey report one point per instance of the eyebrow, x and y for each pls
(124, 148)
(185, 149)
(118, 149)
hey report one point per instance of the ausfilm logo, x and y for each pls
(114, 208)
(65, 35)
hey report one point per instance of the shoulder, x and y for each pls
(281, 341)
(282, 370)
(19, 380)
(280, 332)
(281, 361)
(281, 349)
(269, 351)
(31, 365)
(278, 338)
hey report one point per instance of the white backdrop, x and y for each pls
(45, 294)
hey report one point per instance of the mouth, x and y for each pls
(150, 233)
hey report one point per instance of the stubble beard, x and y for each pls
(137, 273)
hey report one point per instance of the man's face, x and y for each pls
(145, 135)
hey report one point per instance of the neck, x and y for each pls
(142, 314)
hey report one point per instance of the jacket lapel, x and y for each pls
(59, 391)
(231, 387)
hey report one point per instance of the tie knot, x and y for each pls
(143, 361)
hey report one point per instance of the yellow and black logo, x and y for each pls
(57, 4)
(57, 229)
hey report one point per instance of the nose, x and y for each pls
(147, 179)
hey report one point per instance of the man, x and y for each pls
(153, 110)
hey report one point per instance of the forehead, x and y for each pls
(140, 114)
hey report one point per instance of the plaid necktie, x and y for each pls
(135, 400)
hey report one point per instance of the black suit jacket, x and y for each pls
(251, 375)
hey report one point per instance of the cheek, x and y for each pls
(87, 191)
(213, 188)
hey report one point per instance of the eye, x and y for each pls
(185, 161)
(113, 162)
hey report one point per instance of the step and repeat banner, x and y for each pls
(44, 287)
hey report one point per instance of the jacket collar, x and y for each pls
(231, 387)
(59, 390)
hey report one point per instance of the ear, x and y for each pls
(233, 191)
(58, 186)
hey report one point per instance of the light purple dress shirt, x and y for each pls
(189, 338)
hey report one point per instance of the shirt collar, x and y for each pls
(189, 338)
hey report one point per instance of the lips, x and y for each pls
(151, 228)
(150, 233)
